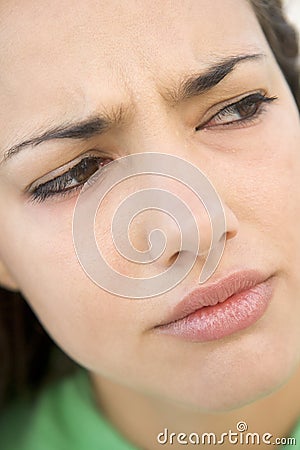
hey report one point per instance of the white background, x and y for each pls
(293, 10)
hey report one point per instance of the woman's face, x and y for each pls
(70, 61)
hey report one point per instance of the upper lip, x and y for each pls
(216, 292)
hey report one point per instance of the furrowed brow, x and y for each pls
(96, 125)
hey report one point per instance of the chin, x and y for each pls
(231, 379)
(229, 396)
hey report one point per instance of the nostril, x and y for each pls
(173, 258)
(231, 234)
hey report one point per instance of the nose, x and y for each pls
(193, 221)
(215, 225)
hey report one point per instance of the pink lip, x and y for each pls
(220, 309)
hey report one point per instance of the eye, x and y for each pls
(70, 181)
(239, 113)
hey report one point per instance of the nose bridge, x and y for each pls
(169, 141)
(156, 126)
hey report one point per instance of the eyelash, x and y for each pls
(258, 100)
(58, 187)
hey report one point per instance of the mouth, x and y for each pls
(222, 308)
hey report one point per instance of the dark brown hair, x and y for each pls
(27, 355)
(282, 38)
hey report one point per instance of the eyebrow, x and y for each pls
(198, 84)
(96, 125)
(82, 129)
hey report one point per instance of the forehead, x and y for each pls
(64, 58)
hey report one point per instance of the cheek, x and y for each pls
(277, 192)
(264, 187)
(87, 322)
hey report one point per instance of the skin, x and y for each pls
(100, 55)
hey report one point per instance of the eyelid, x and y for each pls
(217, 108)
(60, 171)
(59, 194)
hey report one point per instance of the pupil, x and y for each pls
(247, 109)
(86, 169)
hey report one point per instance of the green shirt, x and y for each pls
(65, 417)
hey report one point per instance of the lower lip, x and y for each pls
(210, 323)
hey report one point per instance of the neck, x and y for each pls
(140, 417)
